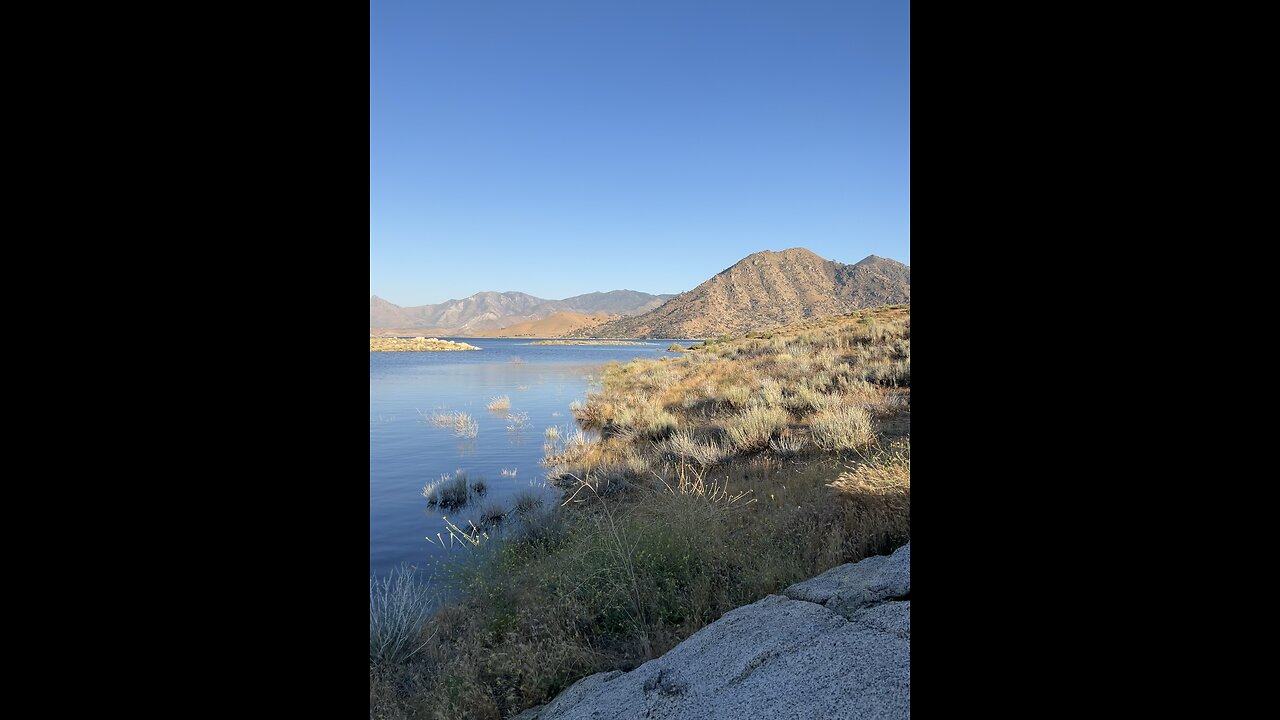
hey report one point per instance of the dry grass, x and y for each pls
(464, 426)
(752, 430)
(842, 429)
(398, 607)
(831, 380)
(613, 581)
(500, 403)
(673, 516)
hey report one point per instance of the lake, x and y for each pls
(407, 451)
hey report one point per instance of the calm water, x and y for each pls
(406, 451)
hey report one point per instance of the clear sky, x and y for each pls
(558, 147)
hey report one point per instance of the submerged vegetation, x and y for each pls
(701, 483)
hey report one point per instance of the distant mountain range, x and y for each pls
(765, 290)
(490, 311)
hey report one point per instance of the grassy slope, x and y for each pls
(723, 475)
(552, 326)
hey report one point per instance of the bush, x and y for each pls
(844, 428)
(753, 429)
(398, 607)
(683, 445)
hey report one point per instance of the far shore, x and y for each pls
(590, 342)
(417, 344)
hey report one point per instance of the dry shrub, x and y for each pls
(877, 498)
(842, 429)
(752, 430)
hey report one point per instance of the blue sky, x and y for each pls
(558, 147)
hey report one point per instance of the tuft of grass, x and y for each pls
(398, 609)
(877, 493)
(526, 501)
(551, 434)
(802, 399)
(517, 421)
(492, 515)
(463, 425)
(500, 403)
(735, 396)
(843, 429)
(683, 445)
(788, 446)
(453, 491)
(752, 430)
(449, 493)
(508, 472)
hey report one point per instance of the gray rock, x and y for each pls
(782, 657)
(849, 587)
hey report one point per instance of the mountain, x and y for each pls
(616, 302)
(551, 326)
(765, 290)
(488, 311)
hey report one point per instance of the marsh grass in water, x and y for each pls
(453, 491)
(464, 426)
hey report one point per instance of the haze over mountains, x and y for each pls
(490, 311)
(765, 290)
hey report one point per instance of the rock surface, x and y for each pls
(835, 646)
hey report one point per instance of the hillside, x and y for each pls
(487, 311)
(765, 290)
(550, 326)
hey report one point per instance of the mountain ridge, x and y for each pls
(492, 310)
(764, 290)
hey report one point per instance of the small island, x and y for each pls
(418, 344)
(589, 342)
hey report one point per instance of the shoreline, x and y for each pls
(418, 344)
(590, 342)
